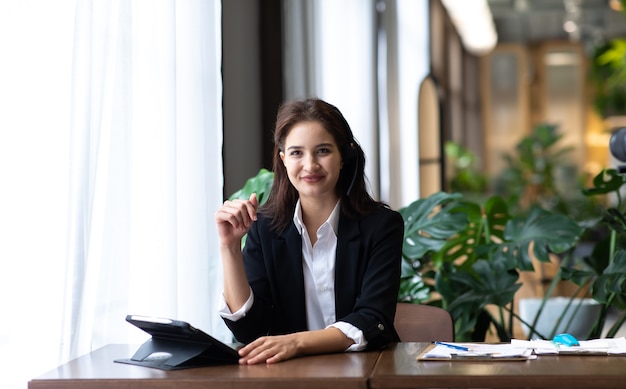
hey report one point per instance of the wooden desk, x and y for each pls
(398, 367)
(98, 371)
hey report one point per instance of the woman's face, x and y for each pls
(313, 161)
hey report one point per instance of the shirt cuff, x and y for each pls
(225, 312)
(353, 333)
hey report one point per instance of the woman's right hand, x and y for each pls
(234, 219)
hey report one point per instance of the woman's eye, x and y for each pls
(324, 150)
(295, 152)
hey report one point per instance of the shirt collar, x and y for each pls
(333, 219)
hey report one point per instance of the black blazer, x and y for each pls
(367, 278)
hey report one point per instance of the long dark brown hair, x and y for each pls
(351, 186)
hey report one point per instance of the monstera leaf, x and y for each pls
(607, 181)
(427, 224)
(545, 232)
(485, 225)
(469, 293)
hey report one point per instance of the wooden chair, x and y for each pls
(423, 323)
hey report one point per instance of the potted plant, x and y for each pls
(601, 273)
(539, 173)
(528, 191)
(604, 270)
(469, 257)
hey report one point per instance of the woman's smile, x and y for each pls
(312, 160)
(312, 178)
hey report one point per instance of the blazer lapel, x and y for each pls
(287, 258)
(346, 266)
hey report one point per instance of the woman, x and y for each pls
(320, 270)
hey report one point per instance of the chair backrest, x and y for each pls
(423, 323)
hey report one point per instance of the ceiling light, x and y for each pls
(474, 23)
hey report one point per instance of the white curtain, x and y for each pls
(130, 150)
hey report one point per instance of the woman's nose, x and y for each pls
(311, 162)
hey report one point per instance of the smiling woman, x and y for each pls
(320, 269)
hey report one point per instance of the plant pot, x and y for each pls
(585, 312)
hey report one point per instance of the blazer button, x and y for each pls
(381, 327)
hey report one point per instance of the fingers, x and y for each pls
(239, 213)
(254, 200)
(268, 349)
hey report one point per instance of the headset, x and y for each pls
(349, 151)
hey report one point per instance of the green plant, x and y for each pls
(540, 173)
(602, 273)
(604, 270)
(466, 177)
(261, 184)
(608, 74)
(469, 256)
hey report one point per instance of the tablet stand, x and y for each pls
(181, 354)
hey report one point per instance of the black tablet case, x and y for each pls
(179, 346)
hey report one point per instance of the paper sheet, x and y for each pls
(476, 351)
(604, 346)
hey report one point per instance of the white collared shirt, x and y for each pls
(318, 265)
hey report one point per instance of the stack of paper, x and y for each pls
(605, 346)
(520, 350)
(475, 351)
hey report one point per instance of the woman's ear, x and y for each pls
(282, 156)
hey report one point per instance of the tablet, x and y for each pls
(176, 344)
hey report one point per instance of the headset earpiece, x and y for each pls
(352, 156)
(350, 151)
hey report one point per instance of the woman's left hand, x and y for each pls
(270, 349)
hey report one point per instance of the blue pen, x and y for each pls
(454, 346)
